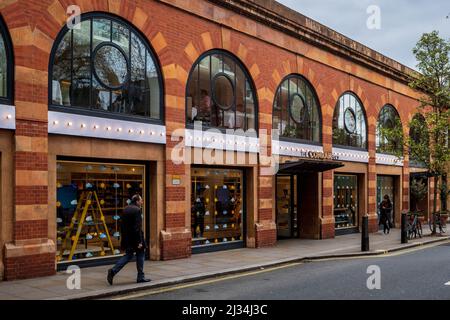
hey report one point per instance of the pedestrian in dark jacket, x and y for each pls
(132, 240)
(385, 213)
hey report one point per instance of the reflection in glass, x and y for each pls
(349, 122)
(388, 119)
(3, 68)
(110, 66)
(296, 110)
(124, 80)
(220, 94)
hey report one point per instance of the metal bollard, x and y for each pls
(403, 228)
(365, 234)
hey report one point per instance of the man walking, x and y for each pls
(132, 240)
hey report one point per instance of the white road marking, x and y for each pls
(448, 283)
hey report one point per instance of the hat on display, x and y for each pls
(117, 251)
(74, 202)
(207, 228)
(89, 255)
(116, 185)
(116, 217)
(88, 236)
(88, 185)
(89, 218)
(102, 235)
(116, 234)
(59, 220)
(207, 213)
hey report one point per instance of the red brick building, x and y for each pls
(92, 113)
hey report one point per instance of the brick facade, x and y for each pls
(179, 32)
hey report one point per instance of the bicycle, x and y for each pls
(414, 226)
(440, 221)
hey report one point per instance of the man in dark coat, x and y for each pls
(132, 240)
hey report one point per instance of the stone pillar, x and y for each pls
(176, 235)
(31, 253)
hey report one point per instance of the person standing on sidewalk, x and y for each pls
(132, 240)
(385, 213)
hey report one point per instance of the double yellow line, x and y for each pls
(270, 269)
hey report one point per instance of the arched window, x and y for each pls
(418, 133)
(349, 122)
(389, 121)
(6, 65)
(107, 68)
(296, 110)
(220, 93)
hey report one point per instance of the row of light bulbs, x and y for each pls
(109, 128)
(223, 141)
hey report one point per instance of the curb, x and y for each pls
(133, 288)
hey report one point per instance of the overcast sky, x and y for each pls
(402, 22)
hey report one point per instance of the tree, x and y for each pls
(429, 143)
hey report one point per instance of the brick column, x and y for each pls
(31, 253)
(372, 174)
(176, 235)
(265, 227)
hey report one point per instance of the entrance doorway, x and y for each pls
(386, 186)
(287, 206)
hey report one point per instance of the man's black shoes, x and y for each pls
(110, 277)
(143, 280)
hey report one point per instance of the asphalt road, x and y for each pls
(420, 274)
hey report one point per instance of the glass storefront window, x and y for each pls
(349, 122)
(287, 224)
(220, 93)
(296, 110)
(90, 200)
(107, 67)
(388, 119)
(345, 201)
(217, 197)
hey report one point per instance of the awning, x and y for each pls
(308, 166)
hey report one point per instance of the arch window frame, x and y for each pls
(314, 96)
(377, 133)
(132, 30)
(212, 79)
(8, 99)
(346, 108)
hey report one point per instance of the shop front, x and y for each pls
(218, 219)
(298, 197)
(90, 198)
(346, 207)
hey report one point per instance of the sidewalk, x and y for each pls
(200, 266)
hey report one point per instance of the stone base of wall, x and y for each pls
(327, 231)
(373, 224)
(266, 234)
(176, 244)
(25, 260)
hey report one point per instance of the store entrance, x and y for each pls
(297, 198)
(287, 206)
(385, 186)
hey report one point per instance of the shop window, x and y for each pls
(220, 93)
(385, 187)
(6, 65)
(345, 201)
(90, 201)
(217, 208)
(107, 68)
(349, 122)
(296, 110)
(287, 207)
(390, 120)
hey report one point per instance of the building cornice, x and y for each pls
(290, 22)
